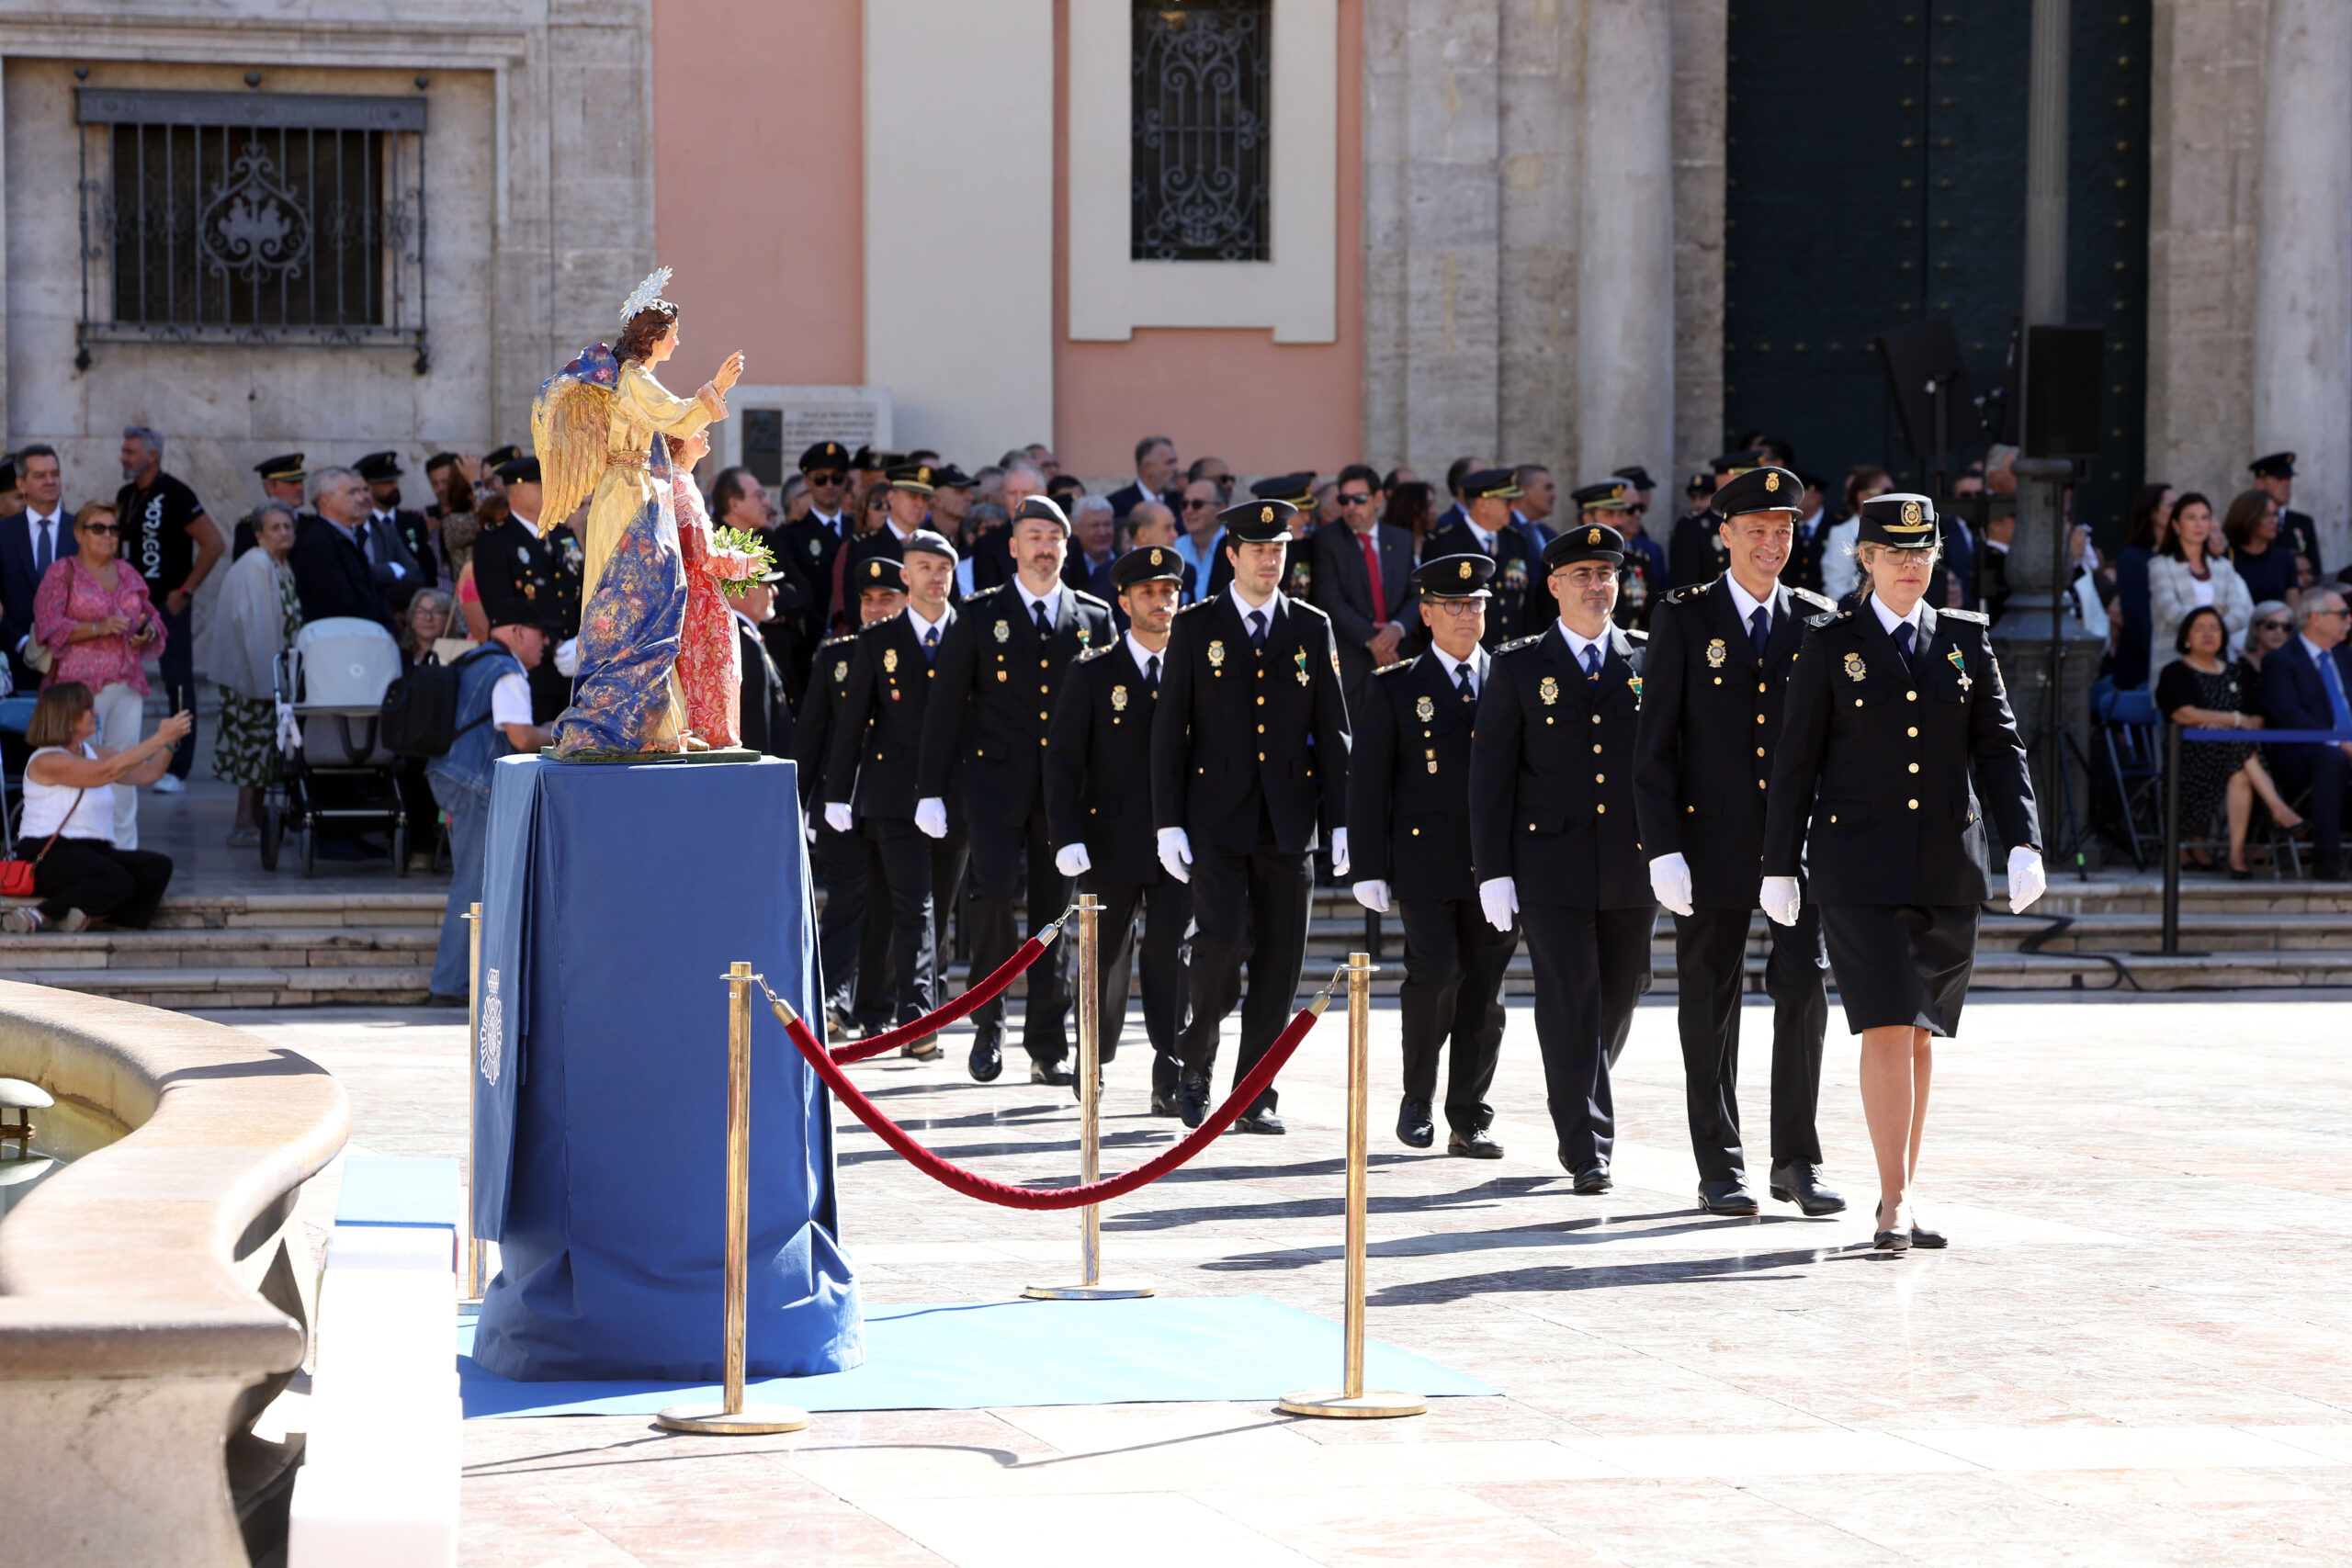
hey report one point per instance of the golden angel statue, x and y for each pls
(608, 432)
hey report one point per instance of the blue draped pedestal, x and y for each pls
(613, 900)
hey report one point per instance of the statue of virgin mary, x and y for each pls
(600, 425)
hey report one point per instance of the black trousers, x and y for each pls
(1591, 966)
(1710, 955)
(1001, 852)
(920, 876)
(551, 688)
(1248, 908)
(92, 875)
(1453, 979)
(2324, 770)
(852, 939)
(1165, 908)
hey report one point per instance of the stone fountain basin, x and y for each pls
(154, 1296)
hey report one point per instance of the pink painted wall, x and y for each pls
(1232, 393)
(759, 176)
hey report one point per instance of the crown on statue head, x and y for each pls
(645, 294)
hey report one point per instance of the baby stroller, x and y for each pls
(338, 773)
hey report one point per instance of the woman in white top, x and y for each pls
(2193, 569)
(68, 836)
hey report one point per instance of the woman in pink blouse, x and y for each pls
(93, 614)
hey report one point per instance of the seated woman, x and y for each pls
(2273, 624)
(78, 874)
(2203, 690)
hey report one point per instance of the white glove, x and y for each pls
(567, 657)
(931, 816)
(811, 830)
(1781, 899)
(1372, 895)
(1338, 851)
(1500, 898)
(839, 818)
(1670, 882)
(1073, 861)
(2027, 881)
(1176, 853)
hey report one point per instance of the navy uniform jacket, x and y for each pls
(763, 716)
(1871, 786)
(1098, 768)
(515, 569)
(820, 705)
(1521, 604)
(992, 701)
(877, 734)
(1694, 550)
(2301, 534)
(812, 546)
(1240, 727)
(1409, 781)
(1711, 725)
(1552, 776)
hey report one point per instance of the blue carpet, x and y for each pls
(973, 1356)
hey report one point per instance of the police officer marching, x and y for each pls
(1098, 801)
(1891, 704)
(1520, 604)
(998, 670)
(1408, 834)
(1552, 833)
(1713, 685)
(1248, 764)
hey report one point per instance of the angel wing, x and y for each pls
(571, 428)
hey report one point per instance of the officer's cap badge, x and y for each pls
(1466, 570)
(1266, 514)
(1155, 558)
(1911, 515)
(873, 568)
(1771, 480)
(1592, 536)
(1855, 669)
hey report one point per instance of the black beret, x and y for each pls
(919, 477)
(1296, 488)
(1454, 576)
(286, 465)
(1152, 563)
(1638, 475)
(520, 471)
(1610, 495)
(1758, 489)
(825, 454)
(378, 467)
(1257, 521)
(1041, 509)
(1899, 521)
(1492, 484)
(1585, 541)
(2278, 466)
(881, 571)
(930, 543)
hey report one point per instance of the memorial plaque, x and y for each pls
(769, 427)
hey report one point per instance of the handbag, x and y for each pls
(16, 875)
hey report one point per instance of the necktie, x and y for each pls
(1759, 631)
(1903, 636)
(1592, 662)
(1043, 630)
(1151, 672)
(930, 644)
(46, 551)
(1461, 683)
(1257, 628)
(2333, 680)
(1372, 571)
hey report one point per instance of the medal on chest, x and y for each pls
(1301, 657)
(1515, 574)
(1961, 664)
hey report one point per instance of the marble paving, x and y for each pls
(2132, 1353)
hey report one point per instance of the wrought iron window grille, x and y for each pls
(1201, 183)
(252, 218)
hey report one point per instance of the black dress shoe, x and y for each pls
(1592, 1180)
(1801, 1185)
(1729, 1196)
(1888, 1241)
(1414, 1128)
(1476, 1143)
(1260, 1118)
(1192, 1101)
(1053, 1073)
(1165, 1104)
(987, 1059)
(1921, 1237)
(924, 1050)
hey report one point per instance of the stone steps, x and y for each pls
(247, 950)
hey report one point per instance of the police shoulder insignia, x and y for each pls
(1807, 596)
(1519, 642)
(1829, 618)
(1392, 668)
(1976, 615)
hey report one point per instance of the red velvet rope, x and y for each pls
(1005, 1193)
(940, 1017)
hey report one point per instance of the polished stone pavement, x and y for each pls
(2133, 1352)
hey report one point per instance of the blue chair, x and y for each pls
(2131, 739)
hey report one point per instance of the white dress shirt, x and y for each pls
(55, 525)
(1577, 642)
(1748, 603)
(1029, 603)
(1890, 620)
(1144, 656)
(1454, 667)
(924, 628)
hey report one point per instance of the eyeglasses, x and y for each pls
(100, 528)
(828, 479)
(2327, 612)
(1359, 499)
(2271, 627)
(1198, 505)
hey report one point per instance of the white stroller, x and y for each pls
(337, 773)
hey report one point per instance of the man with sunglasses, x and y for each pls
(1196, 514)
(816, 539)
(1364, 580)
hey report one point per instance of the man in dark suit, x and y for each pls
(1098, 802)
(1713, 679)
(1252, 673)
(1156, 478)
(1520, 605)
(1408, 834)
(871, 768)
(332, 571)
(2305, 686)
(399, 541)
(765, 717)
(853, 938)
(1364, 580)
(2275, 477)
(998, 670)
(30, 541)
(1554, 836)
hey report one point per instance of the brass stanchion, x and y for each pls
(469, 1256)
(1351, 1400)
(730, 1416)
(1092, 1286)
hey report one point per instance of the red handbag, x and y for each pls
(16, 875)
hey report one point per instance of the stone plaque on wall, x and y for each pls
(767, 428)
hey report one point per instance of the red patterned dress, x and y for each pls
(711, 668)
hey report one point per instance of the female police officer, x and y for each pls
(1890, 703)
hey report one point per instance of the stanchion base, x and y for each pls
(1372, 1406)
(1101, 1290)
(712, 1419)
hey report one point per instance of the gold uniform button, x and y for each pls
(1596, 751)
(1261, 702)
(1041, 715)
(1833, 816)
(1416, 832)
(1759, 718)
(1596, 718)
(1044, 664)
(1601, 810)
(1759, 783)
(1601, 778)
(1262, 729)
(1693, 809)
(1858, 702)
(1759, 751)
(1719, 680)
(1262, 756)
(1914, 767)
(1913, 732)
(1915, 805)
(1759, 687)
(1910, 696)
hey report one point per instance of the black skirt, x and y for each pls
(1900, 965)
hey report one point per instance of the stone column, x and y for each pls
(2303, 316)
(1625, 258)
